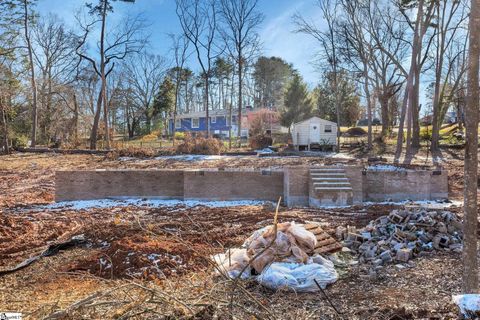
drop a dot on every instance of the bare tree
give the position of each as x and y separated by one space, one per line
180 55
470 261
198 19
241 18
328 41
358 48
26 28
8 87
450 16
144 73
56 60
389 52
122 41
411 99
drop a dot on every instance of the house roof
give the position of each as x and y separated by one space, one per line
317 118
202 114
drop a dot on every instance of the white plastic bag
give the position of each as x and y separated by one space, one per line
299 277
469 305
305 239
233 265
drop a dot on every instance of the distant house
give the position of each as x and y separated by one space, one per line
197 122
314 132
364 122
451 117
220 122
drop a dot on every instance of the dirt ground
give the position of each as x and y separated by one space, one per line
144 262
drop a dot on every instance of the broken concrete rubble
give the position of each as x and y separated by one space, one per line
402 235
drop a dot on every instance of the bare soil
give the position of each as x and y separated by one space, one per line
142 262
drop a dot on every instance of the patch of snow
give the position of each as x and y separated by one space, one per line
333 155
127 159
104 263
469 305
192 157
427 204
338 156
265 150
385 168
108 203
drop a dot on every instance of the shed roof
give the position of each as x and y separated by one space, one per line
317 118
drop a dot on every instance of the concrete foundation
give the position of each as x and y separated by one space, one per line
294 184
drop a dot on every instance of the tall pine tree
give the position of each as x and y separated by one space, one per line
297 103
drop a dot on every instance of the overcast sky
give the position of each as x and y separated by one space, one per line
275 32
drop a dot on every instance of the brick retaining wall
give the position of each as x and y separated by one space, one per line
243 184
233 185
100 184
405 185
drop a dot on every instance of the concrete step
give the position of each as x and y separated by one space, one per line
327 175
332 184
329 179
334 189
327 170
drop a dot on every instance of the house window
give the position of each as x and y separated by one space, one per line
178 123
195 123
328 128
213 119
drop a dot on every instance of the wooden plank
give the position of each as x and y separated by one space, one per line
325 242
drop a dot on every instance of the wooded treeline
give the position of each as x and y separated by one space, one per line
395 60
396 51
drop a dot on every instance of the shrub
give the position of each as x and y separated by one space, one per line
20 141
355 132
150 137
260 141
179 135
426 134
134 152
199 145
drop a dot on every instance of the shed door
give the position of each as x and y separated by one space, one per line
314 133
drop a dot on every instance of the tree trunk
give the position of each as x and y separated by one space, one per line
436 96
207 113
148 122
75 119
407 100
103 76
96 121
369 105
187 104
385 115
230 113
470 262
6 147
240 89
32 76
416 109
177 92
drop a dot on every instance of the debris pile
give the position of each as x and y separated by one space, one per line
402 235
282 255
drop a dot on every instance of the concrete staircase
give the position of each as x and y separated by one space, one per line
329 186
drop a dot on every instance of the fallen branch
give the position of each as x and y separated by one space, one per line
328 299
50 251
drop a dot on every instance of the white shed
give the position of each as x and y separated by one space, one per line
314 132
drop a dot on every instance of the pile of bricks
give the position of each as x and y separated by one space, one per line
402 235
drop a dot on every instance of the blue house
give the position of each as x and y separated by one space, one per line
197 122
